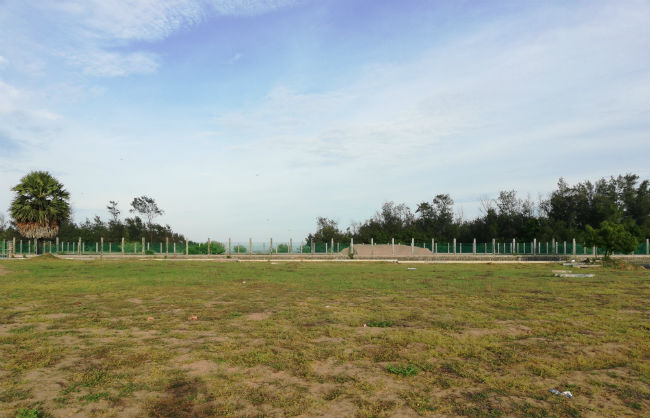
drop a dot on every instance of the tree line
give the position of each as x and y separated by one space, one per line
581 211
40 209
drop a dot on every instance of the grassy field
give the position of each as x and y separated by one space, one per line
191 338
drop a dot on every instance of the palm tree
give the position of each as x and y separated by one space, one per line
40 205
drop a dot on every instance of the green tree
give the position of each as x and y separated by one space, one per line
40 205
147 207
611 237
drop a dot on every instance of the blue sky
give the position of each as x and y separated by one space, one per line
247 118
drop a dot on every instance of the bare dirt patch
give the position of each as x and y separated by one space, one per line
201 367
258 316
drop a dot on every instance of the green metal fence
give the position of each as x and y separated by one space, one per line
229 247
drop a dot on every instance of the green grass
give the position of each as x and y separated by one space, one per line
118 338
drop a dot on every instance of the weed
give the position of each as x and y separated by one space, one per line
403 370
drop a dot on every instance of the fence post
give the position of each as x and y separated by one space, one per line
122 245
166 245
271 247
474 246
143 246
460 247
102 241
392 243
313 249
352 246
647 246
594 250
230 247
372 247
534 246
187 247
160 247
433 246
250 246
412 246
208 246
326 244
174 245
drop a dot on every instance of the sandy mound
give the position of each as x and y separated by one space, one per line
385 250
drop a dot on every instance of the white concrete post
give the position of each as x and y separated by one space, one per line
110 247
250 246
166 245
372 247
493 249
79 246
412 246
332 245
161 247
433 246
326 244
135 247
352 246
564 248
534 245
230 247
102 241
187 246
271 247
143 246
512 248
474 246
291 245
96 247
594 249
448 248
647 246
313 247
392 243
29 246
122 245
14 244
149 245
460 247
574 246
174 245
208 246
454 245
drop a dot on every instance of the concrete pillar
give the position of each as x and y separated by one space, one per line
135 247
448 248
474 246
110 248
534 245
167 245
454 245
149 245
594 251
102 241
647 246
392 243
574 246
460 247
372 247
79 246
143 246
291 245
493 249
512 248
187 246
326 248
412 246
29 246
208 246
433 246
313 248
352 246
250 246
174 245
271 247
332 245
230 247
122 245
160 247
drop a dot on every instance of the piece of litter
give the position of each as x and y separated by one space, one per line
244 282
410 268
327 306
572 275
150 318
193 318
364 325
566 393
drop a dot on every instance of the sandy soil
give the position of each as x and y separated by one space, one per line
386 250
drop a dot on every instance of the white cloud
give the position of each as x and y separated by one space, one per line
3 62
108 64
